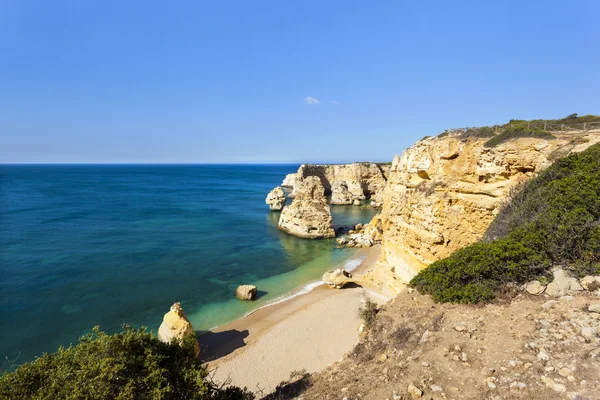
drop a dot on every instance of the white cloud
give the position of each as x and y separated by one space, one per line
335 102
312 101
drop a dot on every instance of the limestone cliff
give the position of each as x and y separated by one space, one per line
347 182
443 193
309 215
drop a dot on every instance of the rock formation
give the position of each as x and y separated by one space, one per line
443 193
289 181
246 292
355 181
276 199
343 192
309 215
175 325
337 279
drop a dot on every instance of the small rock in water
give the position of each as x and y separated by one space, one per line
246 292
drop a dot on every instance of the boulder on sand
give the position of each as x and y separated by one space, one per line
176 326
246 292
337 278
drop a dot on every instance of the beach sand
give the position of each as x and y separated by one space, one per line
310 332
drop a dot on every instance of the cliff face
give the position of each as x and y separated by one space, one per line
360 180
443 193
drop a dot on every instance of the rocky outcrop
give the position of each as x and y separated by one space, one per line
443 193
309 215
246 292
276 199
289 181
562 284
337 279
176 326
343 192
345 182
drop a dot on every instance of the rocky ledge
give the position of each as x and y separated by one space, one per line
309 215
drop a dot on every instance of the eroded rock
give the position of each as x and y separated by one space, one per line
562 284
309 215
337 278
176 326
276 199
246 292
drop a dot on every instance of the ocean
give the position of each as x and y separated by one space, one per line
86 245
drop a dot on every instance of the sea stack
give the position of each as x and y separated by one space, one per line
276 199
309 215
175 325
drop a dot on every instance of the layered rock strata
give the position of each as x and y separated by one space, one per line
443 193
309 215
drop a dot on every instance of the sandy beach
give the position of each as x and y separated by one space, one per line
310 332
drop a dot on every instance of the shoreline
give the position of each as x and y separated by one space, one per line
268 343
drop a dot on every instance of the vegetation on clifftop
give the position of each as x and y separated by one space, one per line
132 364
553 220
518 128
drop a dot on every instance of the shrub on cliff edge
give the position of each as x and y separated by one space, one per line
553 220
132 364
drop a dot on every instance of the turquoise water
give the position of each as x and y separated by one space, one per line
106 245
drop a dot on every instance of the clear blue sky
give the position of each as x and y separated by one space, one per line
281 81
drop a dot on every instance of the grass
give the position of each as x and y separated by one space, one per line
553 220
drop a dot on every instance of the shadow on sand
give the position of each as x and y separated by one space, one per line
214 345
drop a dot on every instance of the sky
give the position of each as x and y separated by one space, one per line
281 81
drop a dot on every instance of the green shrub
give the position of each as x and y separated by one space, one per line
481 132
554 219
132 364
369 313
516 131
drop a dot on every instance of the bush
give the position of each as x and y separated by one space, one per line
481 132
554 219
516 131
369 313
132 364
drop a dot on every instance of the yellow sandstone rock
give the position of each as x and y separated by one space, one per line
443 193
